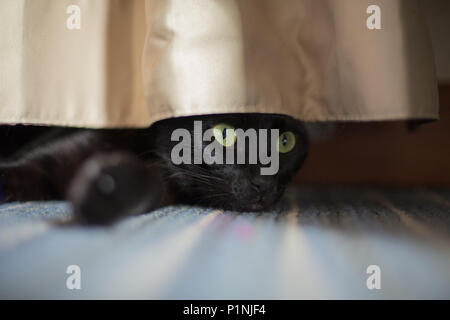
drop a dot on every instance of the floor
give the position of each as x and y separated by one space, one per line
318 243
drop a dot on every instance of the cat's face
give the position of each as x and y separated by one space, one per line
232 185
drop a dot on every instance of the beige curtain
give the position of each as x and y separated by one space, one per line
133 62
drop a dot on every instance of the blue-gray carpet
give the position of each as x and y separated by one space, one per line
317 243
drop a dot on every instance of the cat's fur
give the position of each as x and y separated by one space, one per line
107 174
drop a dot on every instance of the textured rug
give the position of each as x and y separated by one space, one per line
318 243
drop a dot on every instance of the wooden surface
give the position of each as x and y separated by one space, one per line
383 153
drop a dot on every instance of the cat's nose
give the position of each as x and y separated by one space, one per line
255 186
259 183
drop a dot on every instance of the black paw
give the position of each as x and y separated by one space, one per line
112 186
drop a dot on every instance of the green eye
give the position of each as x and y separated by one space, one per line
286 142
224 134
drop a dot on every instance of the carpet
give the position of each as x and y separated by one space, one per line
318 243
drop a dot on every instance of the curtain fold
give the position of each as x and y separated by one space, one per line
133 62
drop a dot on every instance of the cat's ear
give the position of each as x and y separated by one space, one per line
303 138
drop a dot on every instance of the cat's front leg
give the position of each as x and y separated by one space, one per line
25 181
109 186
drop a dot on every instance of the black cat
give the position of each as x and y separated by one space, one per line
108 174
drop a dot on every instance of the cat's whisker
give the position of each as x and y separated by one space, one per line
197 175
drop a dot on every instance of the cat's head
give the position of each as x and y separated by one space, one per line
231 185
